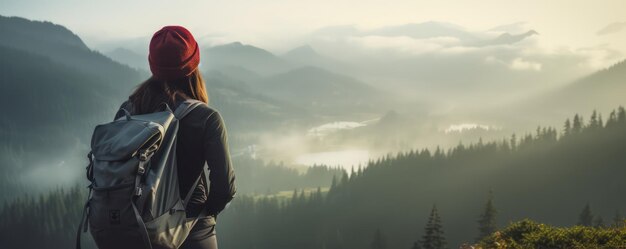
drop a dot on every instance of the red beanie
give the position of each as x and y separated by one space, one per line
174 53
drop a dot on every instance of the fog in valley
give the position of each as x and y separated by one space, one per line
307 107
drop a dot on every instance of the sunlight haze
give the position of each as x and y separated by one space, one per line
279 25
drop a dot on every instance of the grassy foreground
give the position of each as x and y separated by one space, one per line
530 234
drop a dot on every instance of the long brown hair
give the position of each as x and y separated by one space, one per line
152 92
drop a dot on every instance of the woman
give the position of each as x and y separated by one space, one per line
174 58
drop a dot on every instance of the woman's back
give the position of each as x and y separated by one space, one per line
202 139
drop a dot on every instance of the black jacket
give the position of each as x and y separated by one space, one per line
202 137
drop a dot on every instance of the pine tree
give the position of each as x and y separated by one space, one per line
621 115
567 128
487 220
600 121
612 117
586 217
352 173
344 178
577 124
433 232
294 197
318 194
302 197
513 142
333 184
593 120
379 241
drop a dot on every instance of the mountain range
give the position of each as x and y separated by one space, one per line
237 54
63 88
68 85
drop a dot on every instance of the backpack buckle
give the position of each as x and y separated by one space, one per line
143 156
141 169
138 191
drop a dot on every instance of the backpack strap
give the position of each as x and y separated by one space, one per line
82 227
183 108
203 212
204 174
125 110
133 198
186 107
193 187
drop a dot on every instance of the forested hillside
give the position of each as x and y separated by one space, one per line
256 177
548 176
53 217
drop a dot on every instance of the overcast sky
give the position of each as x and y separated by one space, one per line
273 24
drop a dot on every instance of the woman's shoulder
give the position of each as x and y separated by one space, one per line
205 112
206 118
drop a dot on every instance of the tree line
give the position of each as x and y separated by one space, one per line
542 175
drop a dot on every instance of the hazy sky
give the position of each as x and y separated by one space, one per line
568 24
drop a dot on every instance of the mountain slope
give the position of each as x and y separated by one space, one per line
57 90
601 90
129 58
64 47
314 87
307 56
50 111
607 86
244 108
237 54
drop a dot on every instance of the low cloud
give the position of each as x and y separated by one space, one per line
468 127
405 44
464 64
600 56
325 129
517 27
521 64
517 64
612 28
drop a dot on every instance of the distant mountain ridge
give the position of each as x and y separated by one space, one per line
129 58
16 30
319 88
306 55
603 90
607 88
237 54
57 90
61 45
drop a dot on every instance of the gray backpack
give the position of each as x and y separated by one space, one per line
134 199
